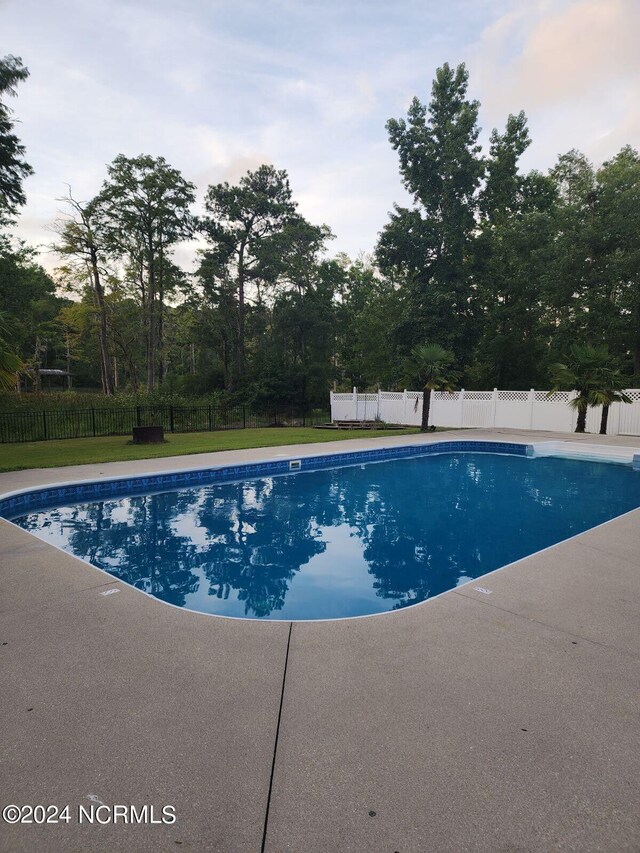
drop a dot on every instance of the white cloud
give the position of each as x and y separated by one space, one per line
574 67
584 48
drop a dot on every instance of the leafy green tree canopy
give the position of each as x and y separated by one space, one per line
143 210
438 147
13 167
241 224
429 246
240 217
147 201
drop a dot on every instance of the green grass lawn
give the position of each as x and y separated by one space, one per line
77 451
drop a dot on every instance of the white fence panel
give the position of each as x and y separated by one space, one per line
553 413
532 409
367 407
392 407
414 408
478 409
342 407
629 414
513 409
446 408
594 417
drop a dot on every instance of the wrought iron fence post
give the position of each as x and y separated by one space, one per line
170 418
210 421
138 418
93 421
44 423
244 416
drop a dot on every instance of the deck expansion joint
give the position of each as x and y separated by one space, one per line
275 744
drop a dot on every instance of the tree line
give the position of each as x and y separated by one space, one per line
506 271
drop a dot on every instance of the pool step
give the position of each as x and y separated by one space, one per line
587 452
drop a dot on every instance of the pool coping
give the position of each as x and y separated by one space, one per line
339 671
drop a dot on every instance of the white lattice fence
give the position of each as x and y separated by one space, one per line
510 409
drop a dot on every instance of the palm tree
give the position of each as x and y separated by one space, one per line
10 364
606 396
595 375
432 364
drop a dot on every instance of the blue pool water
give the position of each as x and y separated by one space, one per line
343 541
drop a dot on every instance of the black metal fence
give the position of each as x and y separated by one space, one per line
86 423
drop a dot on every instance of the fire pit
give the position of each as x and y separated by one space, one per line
148 435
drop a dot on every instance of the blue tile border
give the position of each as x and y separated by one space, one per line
51 496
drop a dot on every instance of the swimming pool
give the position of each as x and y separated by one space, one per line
333 540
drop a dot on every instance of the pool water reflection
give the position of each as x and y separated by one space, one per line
340 542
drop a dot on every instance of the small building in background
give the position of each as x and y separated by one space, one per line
50 384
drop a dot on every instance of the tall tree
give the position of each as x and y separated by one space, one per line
296 365
302 316
241 220
574 253
145 207
27 297
217 322
82 244
504 188
13 167
618 221
592 288
429 245
368 311
514 229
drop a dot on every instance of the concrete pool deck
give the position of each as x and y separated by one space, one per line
498 720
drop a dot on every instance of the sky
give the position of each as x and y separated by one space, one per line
220 87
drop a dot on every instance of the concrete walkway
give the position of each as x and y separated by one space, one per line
503 722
